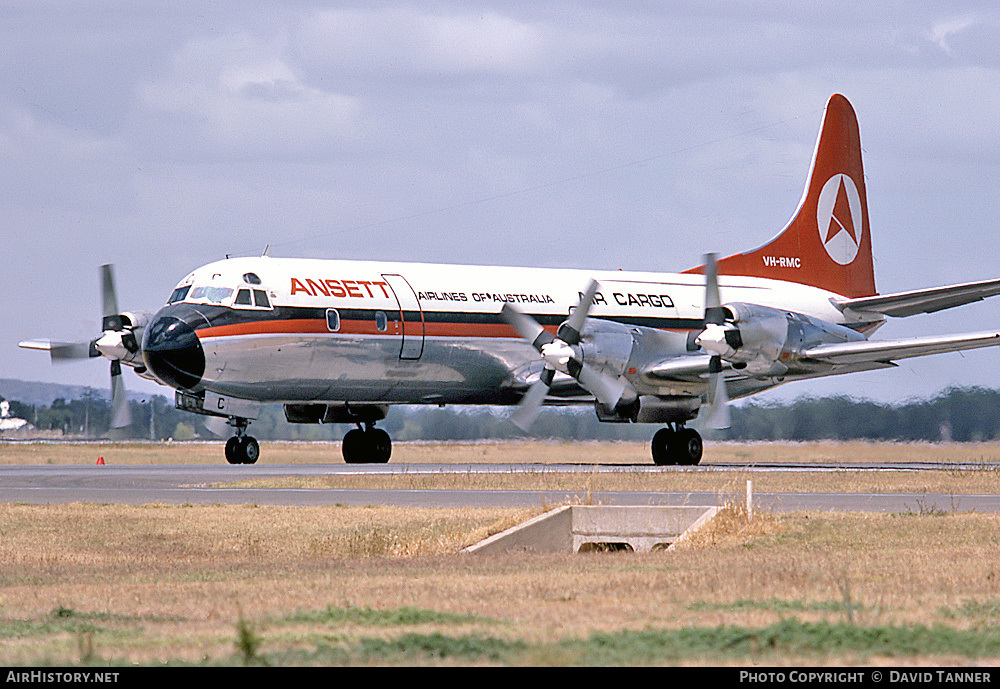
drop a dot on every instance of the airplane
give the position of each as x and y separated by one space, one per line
340 341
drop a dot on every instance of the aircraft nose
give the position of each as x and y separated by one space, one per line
173 352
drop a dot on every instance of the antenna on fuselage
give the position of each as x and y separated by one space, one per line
266 249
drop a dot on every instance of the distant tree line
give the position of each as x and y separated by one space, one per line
959 414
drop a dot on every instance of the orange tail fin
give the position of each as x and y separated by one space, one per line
827 243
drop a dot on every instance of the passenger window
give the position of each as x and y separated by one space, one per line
243 297
260 297
333 320
381 322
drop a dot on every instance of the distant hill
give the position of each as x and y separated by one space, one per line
32 392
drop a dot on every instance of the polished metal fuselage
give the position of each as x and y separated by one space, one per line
398 333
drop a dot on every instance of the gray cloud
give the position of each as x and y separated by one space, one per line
559 134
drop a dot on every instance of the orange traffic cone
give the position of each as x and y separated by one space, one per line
100 460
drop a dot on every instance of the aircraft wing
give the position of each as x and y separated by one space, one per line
882 352
923 300
890 350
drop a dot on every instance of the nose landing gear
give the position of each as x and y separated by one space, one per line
677 445
241 448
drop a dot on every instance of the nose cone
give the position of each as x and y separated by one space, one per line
172 351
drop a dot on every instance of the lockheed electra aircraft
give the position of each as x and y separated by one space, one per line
339 341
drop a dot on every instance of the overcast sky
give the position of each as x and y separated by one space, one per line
163 136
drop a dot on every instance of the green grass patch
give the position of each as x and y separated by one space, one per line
441 646
408 649
788 638
62 619
783 640
396 617
975 610
777 606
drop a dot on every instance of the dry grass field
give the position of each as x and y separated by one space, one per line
462 452
109 584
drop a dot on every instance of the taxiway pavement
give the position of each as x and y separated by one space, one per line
207 484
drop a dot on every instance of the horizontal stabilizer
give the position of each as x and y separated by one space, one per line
923 300
890 350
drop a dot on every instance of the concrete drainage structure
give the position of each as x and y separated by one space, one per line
598 528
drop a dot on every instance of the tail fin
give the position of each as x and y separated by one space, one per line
827 243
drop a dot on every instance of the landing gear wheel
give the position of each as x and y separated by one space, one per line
662 440
249 449
689 447
381 445
683 446
372 446
242 450
232 450
353 446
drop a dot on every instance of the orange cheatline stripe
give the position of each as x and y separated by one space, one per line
352 327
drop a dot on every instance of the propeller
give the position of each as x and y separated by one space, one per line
714 337
560 352
115 343
111 344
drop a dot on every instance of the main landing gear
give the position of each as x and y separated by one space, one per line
242 448
367 446
677 445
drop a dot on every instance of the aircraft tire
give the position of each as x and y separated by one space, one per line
249 450
689 447
232 450
380 445
373 446
663 442
242 450
354 447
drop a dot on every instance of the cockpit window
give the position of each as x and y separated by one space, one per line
179 294
251 278
213 295
260 297
242 297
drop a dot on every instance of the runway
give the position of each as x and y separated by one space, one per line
198 484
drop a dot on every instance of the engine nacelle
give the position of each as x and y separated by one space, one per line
122 335
766 341
651 409
606 345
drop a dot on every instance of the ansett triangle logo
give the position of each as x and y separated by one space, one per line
839 217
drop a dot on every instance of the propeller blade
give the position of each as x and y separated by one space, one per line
61 352
217 425
713 302
569 330
527 410
526 326
606 389
109 297
716 397
120 414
